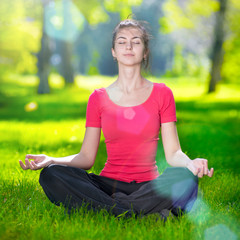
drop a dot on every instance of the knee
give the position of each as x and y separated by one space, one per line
181 180
182 173
48 174
186 177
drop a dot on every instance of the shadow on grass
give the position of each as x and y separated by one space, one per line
60 105
71 104
206 129
195 111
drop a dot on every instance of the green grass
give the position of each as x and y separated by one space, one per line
208 127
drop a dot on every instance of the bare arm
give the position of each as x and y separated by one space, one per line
174 155
84 159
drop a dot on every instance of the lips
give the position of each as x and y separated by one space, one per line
128 55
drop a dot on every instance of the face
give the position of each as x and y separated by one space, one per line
129 48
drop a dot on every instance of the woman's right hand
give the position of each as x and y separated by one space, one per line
38 162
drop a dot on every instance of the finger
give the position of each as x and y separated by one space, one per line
210 173
31 156
205 167
35 166
200 172
195 172
32 165
27 162
23 166
193 169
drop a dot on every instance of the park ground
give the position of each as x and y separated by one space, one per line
208 127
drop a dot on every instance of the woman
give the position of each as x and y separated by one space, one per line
130 113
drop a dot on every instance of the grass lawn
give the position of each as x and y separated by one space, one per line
208 127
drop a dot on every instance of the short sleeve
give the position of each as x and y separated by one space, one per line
168 107
93 116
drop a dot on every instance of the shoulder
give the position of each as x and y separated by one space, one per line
97 93
162 89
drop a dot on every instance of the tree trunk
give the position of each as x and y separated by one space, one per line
66 45
66 64
43 58
217 51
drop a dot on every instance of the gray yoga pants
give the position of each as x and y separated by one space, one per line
175 189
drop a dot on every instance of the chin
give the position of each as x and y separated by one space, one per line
130 63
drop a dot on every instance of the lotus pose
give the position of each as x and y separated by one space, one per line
131 113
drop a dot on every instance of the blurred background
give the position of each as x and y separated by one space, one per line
71 38
53 53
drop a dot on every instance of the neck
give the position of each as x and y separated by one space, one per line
130 79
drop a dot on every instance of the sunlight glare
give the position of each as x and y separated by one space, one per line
31 106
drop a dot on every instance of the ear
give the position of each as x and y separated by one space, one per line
145 54
113 52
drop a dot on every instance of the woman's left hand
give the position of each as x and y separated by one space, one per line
199 167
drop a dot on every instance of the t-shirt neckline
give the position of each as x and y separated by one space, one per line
148 98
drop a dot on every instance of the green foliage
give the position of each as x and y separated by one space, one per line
121 6
230 72
188 16
21 27
20 34
93 68
230 69
208 127
186 20
186 64
95 13
178 65
92 10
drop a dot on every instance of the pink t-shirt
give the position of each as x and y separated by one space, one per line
131 133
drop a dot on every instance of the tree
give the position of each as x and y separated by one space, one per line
231 62
57 25
217 53
93 11
44 56
202 20
190 24
19 36
26 27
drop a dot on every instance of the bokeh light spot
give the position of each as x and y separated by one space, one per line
129 113
63 21
55 59
31 106
219 232
125 120
200 212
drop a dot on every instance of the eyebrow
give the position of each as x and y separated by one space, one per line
131 38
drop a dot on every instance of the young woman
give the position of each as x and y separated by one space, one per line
130 112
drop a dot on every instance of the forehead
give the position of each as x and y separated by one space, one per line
129 32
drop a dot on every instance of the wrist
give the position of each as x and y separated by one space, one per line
51 160
188 162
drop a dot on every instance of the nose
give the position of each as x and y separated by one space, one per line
129 45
